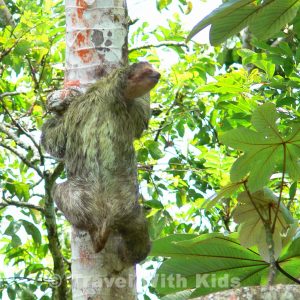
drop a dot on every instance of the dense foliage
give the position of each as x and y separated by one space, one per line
218 166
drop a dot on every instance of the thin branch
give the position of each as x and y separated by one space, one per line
24 131
57 171
164 44
37 183
9 280
33 74
8 94
44 60
161 125
5 203
7 51
23 158
14 137
38 195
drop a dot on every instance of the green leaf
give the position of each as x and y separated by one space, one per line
244 139
227 26
22 190
264 120
162 4
292 250
154 204
261 60
262 166
12 228
11 292
22 47
289 261
273 16
33 268
294 137
259 164
167 247
27 295
252 230
293 190
184 295
240 168
292 161
267 202
154 150
180 128
225 191
195 263
222 11
33 231
263 247
142 155
15 241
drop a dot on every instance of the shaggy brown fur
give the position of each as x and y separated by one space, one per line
94 137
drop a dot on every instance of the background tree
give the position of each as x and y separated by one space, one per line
182 158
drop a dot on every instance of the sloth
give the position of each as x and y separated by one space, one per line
94 138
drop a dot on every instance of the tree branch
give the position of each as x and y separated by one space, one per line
14 137
161 125
164 44
37 146
23 158
7 94
57 171
5 203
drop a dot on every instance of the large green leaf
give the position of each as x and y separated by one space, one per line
208 263
252 230
264 149
245 139
264 120
262 166
222 11
289 261
292 161
273 16
214 262
225 27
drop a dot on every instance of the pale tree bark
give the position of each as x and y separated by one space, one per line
5 15
96 43
272 292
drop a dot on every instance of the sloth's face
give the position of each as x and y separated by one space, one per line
141 80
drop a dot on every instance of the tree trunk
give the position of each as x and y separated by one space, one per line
273 292
96 43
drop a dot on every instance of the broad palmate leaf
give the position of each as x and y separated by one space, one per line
251 230
212 262
264 149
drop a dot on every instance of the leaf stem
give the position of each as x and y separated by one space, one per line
270 243
253 203
281 188
286 273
